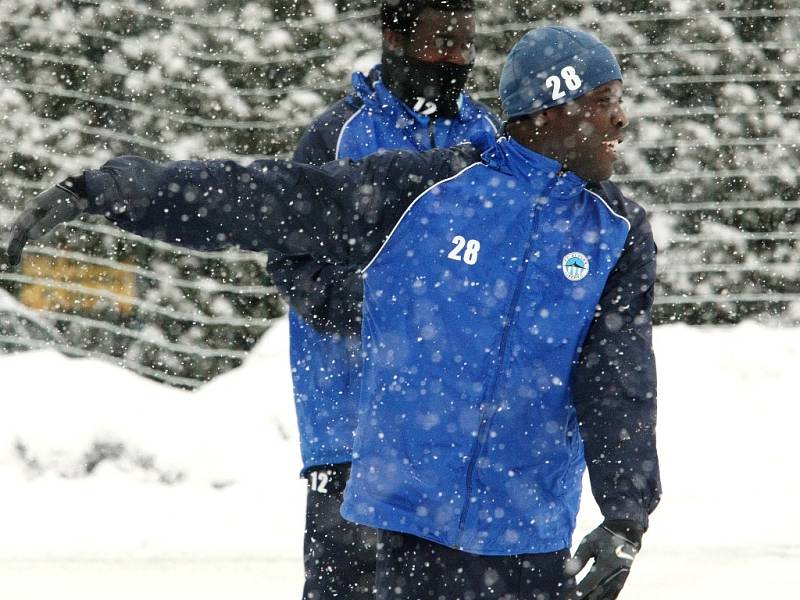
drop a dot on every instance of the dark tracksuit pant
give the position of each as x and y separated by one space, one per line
339 556
345 561
412 568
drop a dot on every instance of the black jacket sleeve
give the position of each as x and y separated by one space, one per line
339 213
327 295
614 382
318 144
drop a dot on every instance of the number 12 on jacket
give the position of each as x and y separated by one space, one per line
319 481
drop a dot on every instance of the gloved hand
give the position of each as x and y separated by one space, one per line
58 204
613 546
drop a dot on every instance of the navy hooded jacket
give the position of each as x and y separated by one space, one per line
506 325
326 358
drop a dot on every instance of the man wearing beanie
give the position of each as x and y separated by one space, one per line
507 294
414 100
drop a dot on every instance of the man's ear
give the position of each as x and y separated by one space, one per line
393 41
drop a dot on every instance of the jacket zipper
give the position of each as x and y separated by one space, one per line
485 414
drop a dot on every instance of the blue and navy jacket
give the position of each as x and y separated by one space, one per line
326 357
506 325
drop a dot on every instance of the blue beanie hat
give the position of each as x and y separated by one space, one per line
553 65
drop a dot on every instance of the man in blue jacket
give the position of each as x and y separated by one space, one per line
507 296
414 100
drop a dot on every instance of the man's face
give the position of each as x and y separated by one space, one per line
583 135
442 36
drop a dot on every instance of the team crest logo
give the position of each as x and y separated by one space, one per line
575 266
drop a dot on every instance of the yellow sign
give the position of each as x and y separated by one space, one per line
67 285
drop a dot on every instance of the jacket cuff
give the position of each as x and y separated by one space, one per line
75 185
630 530
97 187
622 509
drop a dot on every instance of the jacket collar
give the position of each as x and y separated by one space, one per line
374 93
510 156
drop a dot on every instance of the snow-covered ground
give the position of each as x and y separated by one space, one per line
229 523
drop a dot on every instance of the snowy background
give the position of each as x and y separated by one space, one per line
115 485
196 495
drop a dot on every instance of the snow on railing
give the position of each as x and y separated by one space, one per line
258 120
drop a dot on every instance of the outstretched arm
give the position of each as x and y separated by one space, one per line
267 205
338 213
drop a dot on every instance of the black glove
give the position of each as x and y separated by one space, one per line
613 546
58 204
